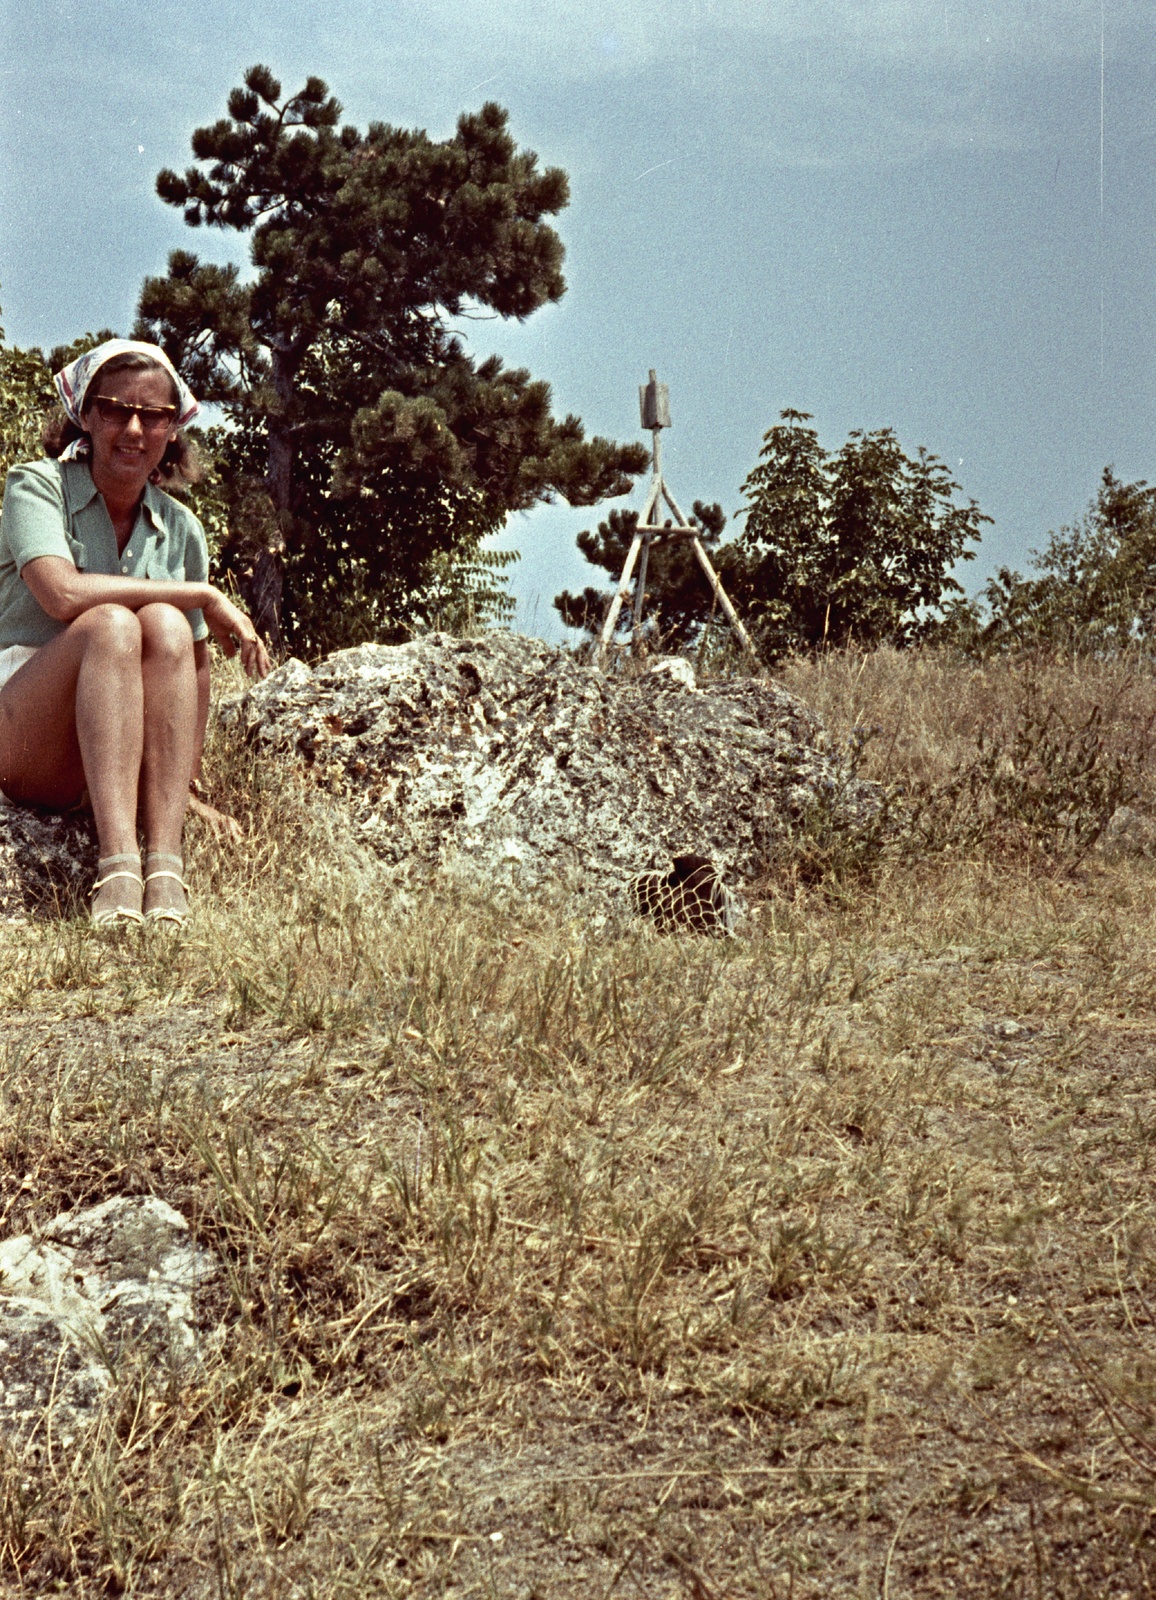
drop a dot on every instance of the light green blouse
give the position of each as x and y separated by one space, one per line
52 508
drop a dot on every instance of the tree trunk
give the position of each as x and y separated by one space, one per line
265 581
262 588
280 477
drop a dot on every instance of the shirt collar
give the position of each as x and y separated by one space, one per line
80 491
152 504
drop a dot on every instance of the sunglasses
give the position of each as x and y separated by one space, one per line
152 418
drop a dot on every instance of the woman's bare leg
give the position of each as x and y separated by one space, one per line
169 678
111 704
73 717
168 672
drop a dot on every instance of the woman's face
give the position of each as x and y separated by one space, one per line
126 450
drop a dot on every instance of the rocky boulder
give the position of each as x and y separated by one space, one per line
118 1278
507 761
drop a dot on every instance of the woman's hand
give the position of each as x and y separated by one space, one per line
233 631
224 828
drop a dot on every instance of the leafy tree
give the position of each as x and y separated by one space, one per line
677 596
26 399
1095 588
368 447
853 546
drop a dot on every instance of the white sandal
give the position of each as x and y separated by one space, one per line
175 914
103 916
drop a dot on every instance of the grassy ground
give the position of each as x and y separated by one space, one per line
816 1263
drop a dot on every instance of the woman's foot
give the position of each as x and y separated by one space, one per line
116 894
164 888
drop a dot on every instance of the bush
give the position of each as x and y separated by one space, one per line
1095 589
1047 785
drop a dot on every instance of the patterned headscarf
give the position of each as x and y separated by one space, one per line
73 382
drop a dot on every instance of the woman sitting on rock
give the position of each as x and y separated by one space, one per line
105 613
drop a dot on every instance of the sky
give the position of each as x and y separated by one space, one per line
930 215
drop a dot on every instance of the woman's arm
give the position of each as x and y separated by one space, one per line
64 593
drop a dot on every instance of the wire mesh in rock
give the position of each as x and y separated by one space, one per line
691 896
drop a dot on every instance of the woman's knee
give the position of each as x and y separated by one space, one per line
112 629
165 631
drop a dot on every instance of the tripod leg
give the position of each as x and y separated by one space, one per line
720 594
620 594
640 594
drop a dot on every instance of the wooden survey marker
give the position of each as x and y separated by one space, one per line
654 406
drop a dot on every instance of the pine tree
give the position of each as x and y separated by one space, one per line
678 601
368 448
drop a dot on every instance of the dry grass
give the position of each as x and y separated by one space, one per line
815 1264
926 709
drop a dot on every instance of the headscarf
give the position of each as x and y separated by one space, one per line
73 381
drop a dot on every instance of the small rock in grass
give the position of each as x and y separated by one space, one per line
93 1284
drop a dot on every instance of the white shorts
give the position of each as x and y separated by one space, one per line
13 657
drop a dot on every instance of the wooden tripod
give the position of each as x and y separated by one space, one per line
654 403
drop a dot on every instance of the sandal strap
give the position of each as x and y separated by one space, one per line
149 876
167 914
108 878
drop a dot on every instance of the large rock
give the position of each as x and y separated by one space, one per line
507 760
47 861
117 1278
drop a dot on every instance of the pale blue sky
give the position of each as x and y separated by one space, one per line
882 213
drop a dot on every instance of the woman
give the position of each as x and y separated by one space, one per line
105 613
